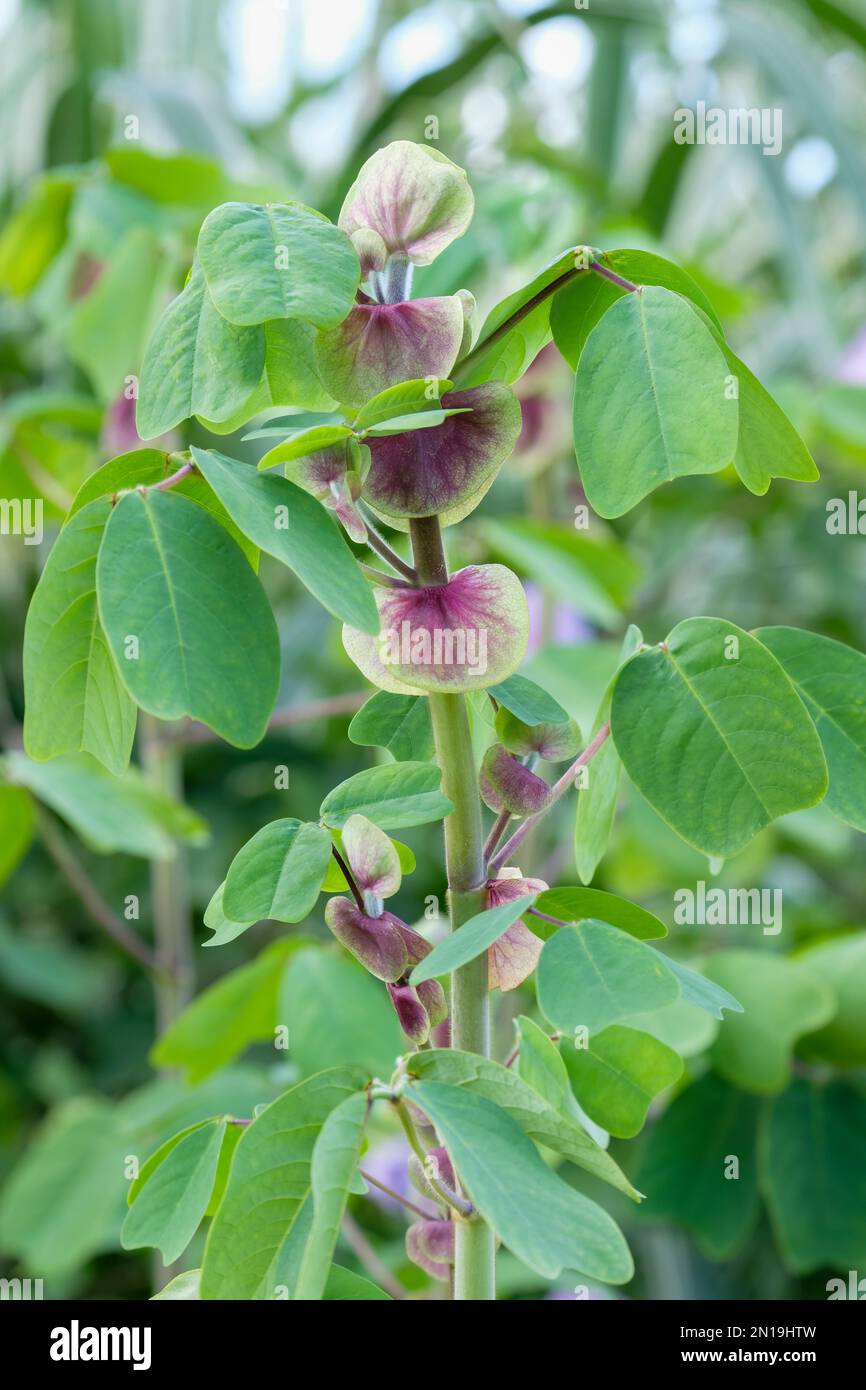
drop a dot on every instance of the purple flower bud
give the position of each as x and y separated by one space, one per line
463 635
373 860
413 197
411 1012
374 941
335 477
432 996
441 1034
437 1165
430 1245
381 345
507 785
553 742
512 958
416 946
433 472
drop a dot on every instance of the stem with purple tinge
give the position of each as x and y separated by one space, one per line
557 790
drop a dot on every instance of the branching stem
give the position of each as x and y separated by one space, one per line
557 790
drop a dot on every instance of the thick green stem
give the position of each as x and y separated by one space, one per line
474 1269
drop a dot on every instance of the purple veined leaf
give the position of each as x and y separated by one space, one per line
507 784
419 1009
381 345
335 477
372 858
374 941
512 958
463 635
430 1245
413 198
429 472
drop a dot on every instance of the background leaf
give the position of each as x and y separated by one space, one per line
394 796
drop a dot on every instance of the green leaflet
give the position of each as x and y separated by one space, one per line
183 1288
812 1159
830 678
523 698
289 378
241 1008
713 734
578 307
289 524
591 975
278 873
572 904
299 443
277 260
394 796
527 1105
224 928
152 1162
781 1001
188 622
399 723
685 1166
650 402
268 1188
544 1222
196 363
168 1210
596 802
418 397
617 1075
768 446
74 698
540 1065
344 1286
475 935
143 468
336 1155
701 992
109 813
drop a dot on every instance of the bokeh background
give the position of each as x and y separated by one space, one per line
122 123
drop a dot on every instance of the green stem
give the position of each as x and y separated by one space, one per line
474 1268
